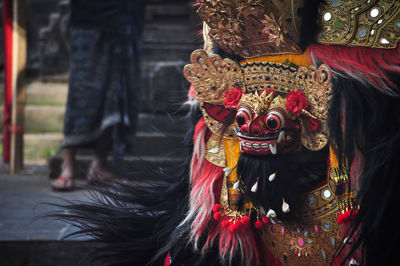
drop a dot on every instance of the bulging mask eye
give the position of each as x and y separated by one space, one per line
243 115
275 119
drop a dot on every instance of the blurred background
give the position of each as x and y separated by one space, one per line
171 33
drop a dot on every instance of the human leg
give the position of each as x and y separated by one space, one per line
98 169
65 180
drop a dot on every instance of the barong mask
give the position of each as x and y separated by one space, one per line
271 108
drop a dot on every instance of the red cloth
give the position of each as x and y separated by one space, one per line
8 46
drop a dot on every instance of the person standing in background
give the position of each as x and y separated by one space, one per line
104 83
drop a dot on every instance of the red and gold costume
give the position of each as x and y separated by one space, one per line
280 95
294 154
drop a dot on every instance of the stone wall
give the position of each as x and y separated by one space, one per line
39 14
170 35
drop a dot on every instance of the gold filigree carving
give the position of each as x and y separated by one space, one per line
211 76
320 203
257 102
318 90
253 28
272 76
372 23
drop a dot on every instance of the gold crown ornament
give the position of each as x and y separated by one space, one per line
252 28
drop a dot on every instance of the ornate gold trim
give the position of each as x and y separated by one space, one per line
211 76
312 243
252 28
372 23
215 153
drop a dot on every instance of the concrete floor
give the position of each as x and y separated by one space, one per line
23 198
26 240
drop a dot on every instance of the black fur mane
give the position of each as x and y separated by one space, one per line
372 127
296 175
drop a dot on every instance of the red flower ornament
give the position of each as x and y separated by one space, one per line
245 220
232 97
217 216
225 223
259 224
216 207
234 226
295 102
265 220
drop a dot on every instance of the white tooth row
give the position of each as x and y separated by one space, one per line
271 146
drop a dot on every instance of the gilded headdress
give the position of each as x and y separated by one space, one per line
252 28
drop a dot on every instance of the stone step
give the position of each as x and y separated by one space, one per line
173 32
50 119
154 10
42 119
27 240
43 93
131 167
46 93
166 88
39 147
40 253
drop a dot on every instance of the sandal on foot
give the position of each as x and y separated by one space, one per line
62 184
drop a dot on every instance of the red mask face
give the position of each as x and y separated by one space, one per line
271 131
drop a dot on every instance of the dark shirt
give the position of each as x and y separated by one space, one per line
109 14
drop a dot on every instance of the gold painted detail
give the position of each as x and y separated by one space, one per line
232 154
312 243
211 76
272 76
215 152
257 103
372 23
344 194
344 191
320 202
253 28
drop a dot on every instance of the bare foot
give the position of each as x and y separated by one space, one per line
98 172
